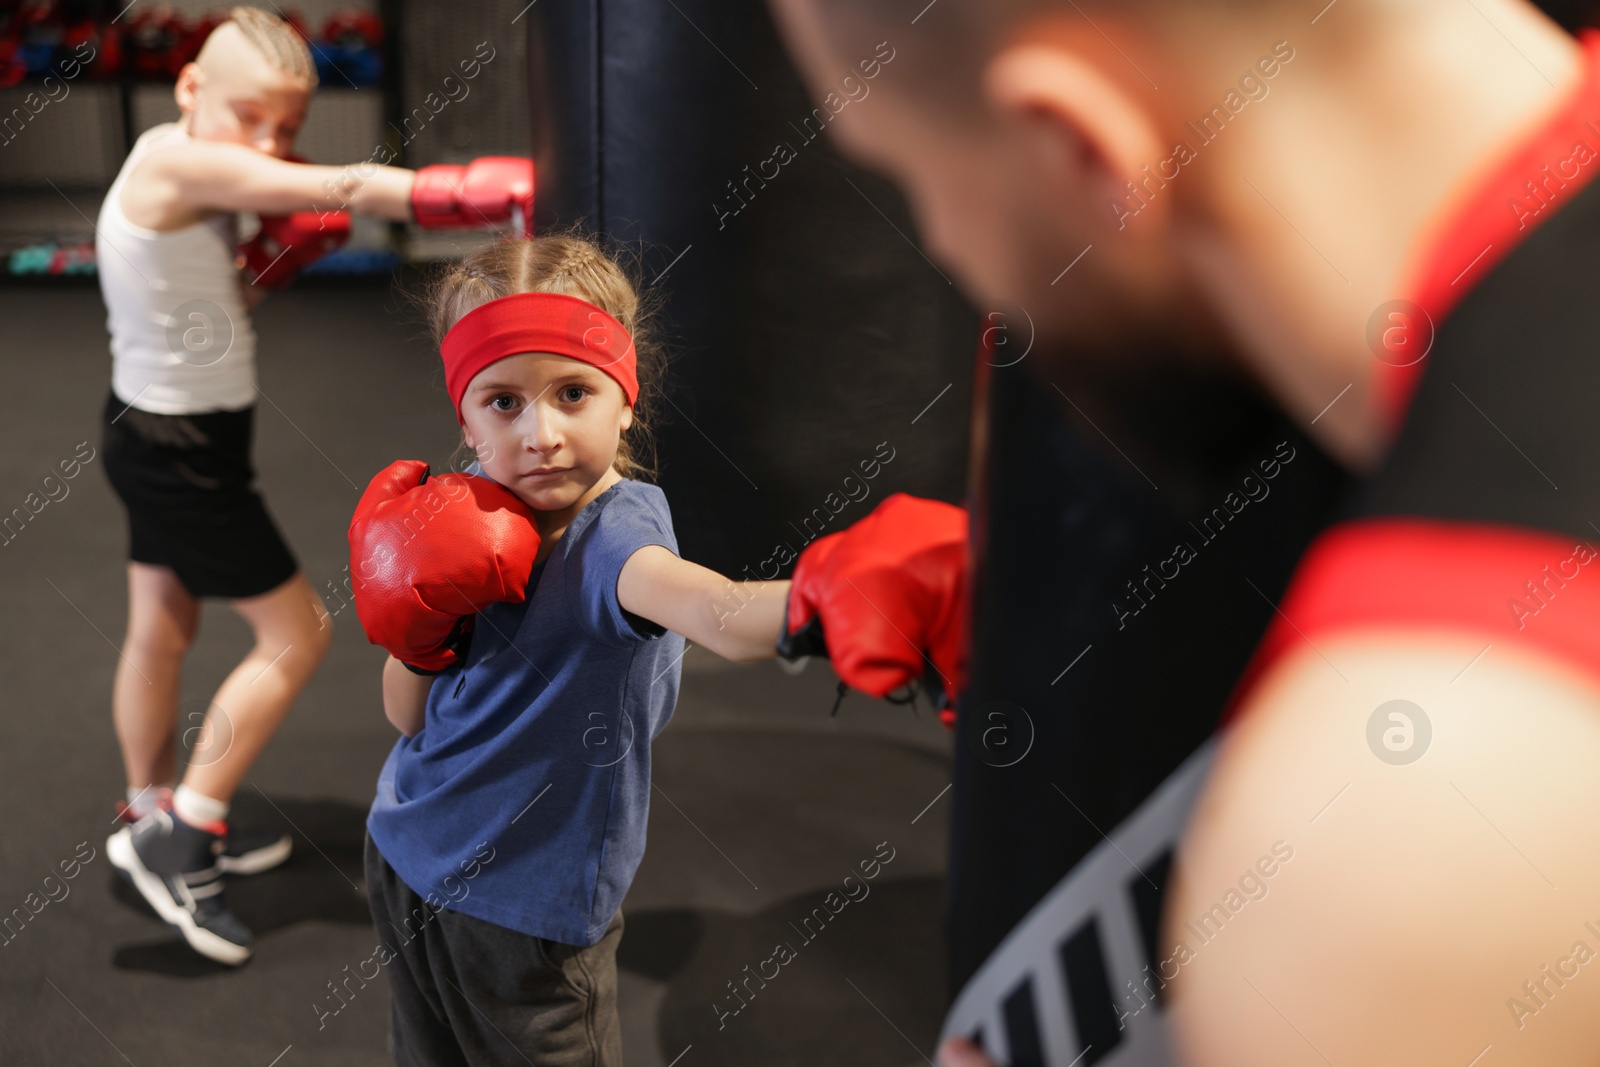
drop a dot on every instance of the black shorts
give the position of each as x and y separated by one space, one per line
187 484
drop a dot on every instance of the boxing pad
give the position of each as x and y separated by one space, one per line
485 192
288 244
886 599
429 553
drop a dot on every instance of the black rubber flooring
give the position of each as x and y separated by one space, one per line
771 801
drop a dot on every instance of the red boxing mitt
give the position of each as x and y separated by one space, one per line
429 553
889 595
288 244
484 192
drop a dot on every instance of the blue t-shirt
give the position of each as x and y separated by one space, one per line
523 799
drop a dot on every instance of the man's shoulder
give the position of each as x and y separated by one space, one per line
1501 429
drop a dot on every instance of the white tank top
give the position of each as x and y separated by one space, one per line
181 339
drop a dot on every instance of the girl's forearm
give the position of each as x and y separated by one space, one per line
405 697
749 620
740 621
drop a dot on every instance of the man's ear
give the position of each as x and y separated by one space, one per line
189 80
1092 133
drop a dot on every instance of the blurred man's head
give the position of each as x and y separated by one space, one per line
250 84
1254 169
1015 125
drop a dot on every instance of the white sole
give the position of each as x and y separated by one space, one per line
120 850
262 859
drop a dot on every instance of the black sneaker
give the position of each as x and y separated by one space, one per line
252 851
174 867
243 852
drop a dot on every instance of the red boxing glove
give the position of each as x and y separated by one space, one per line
890 595
288 244
485 192
429 553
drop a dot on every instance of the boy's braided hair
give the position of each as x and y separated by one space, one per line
276 39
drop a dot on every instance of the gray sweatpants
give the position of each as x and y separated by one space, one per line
470 993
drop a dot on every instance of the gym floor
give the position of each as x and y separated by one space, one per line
762 802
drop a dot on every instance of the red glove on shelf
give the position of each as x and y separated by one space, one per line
429 553
448 196
888 595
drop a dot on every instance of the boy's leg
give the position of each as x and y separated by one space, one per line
293 634
162 621
175 858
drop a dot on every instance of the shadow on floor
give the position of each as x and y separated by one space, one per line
864 986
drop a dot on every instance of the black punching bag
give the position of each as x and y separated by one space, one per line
1103 654
809 336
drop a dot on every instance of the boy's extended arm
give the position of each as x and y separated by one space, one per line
214 175
405 696
740 621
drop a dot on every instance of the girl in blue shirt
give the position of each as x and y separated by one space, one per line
510 817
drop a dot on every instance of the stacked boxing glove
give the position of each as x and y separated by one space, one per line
429 553
484 192
887 598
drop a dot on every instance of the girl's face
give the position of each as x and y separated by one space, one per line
546 427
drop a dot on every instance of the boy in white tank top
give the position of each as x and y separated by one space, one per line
178 424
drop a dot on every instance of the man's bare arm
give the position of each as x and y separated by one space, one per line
1431 901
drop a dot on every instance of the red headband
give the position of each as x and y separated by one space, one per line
537 322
